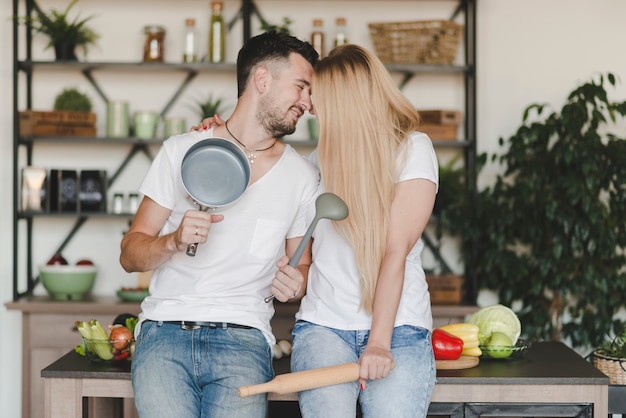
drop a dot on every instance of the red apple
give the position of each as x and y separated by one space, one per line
57 259
84 262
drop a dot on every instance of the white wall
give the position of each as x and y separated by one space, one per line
530 51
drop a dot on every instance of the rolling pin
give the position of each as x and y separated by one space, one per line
304 380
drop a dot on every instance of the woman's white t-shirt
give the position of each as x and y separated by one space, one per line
231 273
333 297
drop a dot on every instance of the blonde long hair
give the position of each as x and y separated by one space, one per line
364 119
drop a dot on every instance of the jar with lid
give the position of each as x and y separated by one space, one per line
190 42
154 46
317 37
340 32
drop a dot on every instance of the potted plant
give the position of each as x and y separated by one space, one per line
610 358
72 99
64 35
281 28
210 106
549 235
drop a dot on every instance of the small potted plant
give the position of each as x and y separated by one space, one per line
210 106
64 35
284 28
610 358
73 100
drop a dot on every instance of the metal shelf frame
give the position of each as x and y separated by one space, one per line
247 11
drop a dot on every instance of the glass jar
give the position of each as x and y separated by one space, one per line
154 47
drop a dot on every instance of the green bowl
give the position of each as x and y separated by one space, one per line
67 282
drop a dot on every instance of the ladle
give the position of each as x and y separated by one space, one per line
327 206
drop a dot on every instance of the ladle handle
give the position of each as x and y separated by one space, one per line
297 255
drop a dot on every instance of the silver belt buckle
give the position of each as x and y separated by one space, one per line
188 327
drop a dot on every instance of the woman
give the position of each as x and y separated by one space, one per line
367 299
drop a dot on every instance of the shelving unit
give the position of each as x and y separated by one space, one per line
90 70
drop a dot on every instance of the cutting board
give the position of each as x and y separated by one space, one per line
463 362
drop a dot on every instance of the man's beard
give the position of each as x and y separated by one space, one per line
273 120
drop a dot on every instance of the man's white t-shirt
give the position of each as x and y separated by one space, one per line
231 273
333 296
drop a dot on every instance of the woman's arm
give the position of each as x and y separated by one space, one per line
410 212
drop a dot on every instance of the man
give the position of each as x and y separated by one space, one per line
205 328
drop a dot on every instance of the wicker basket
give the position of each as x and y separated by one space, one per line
420 42
613 367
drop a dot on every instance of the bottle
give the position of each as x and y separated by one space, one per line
340 32
217 45
190 50
317 37
154 47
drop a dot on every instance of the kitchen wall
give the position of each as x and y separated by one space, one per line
530 51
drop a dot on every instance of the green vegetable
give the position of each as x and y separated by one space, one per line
496 318
100 340
498 346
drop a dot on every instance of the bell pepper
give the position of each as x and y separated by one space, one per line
446 346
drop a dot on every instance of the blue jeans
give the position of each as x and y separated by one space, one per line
404 393
196 373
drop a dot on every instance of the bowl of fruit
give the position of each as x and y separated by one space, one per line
65 281
99 345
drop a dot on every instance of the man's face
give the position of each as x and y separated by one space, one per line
288 97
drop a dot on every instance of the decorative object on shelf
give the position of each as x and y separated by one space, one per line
72 116
65 36
282 28
550 231
610 358
217 34
174 126
72 99
341 37
118 119
445 289
63 190
145 124
92 191
313 128
417 42
34 189
210 106
68 282
318 39
190 41
154 45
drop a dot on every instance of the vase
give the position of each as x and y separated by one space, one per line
65 51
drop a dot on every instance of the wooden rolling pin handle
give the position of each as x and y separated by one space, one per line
304 380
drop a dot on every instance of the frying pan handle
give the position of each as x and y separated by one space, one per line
191 249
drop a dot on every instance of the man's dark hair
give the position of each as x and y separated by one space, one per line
270 45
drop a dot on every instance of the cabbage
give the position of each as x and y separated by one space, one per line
496 318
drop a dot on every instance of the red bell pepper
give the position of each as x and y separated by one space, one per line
446 346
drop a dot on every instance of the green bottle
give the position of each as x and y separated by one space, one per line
217 44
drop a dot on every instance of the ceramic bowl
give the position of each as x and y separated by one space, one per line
68 282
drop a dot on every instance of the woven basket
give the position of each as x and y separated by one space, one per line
420 42
613 367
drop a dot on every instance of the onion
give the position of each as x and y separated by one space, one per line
120 336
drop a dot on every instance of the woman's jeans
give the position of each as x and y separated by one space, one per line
180 373
404 393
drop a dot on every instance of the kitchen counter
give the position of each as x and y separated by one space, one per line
550 380
48 332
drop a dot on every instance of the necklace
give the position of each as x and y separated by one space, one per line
251 151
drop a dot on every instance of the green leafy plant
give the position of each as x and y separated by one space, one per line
281 28
615 347
64 35
210 106
72 99
549 236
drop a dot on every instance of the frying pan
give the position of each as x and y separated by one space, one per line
215 173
